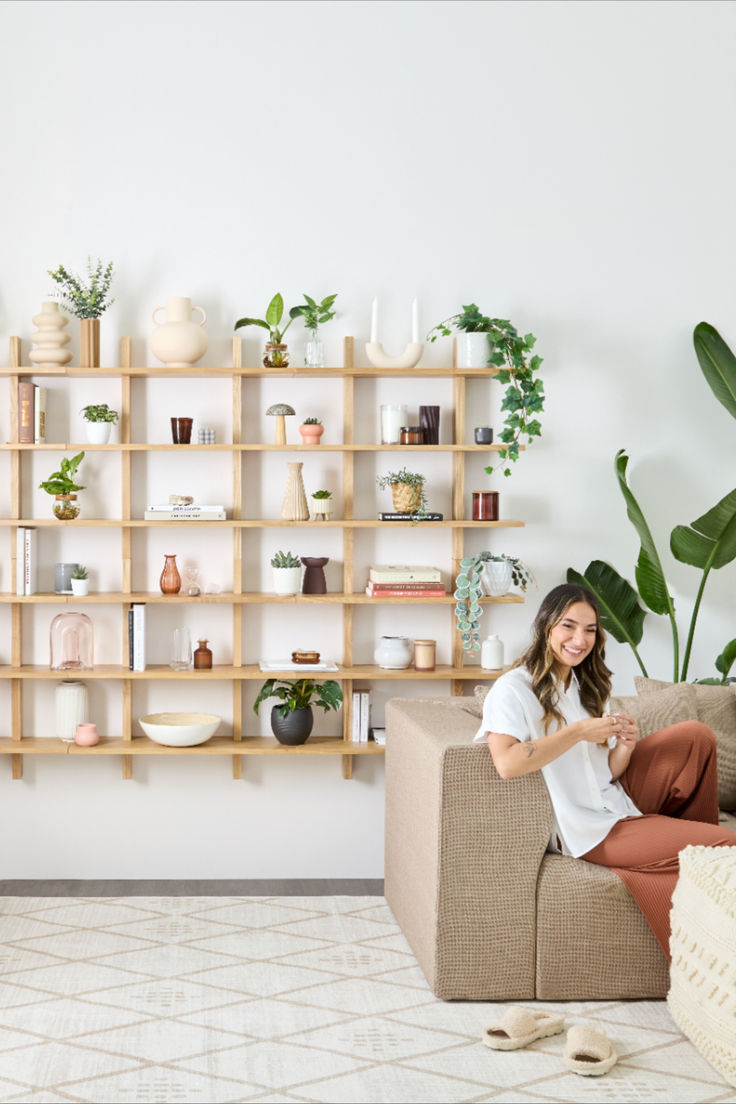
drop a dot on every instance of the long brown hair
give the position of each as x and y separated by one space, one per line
593 676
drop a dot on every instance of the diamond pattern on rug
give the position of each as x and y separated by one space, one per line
311 999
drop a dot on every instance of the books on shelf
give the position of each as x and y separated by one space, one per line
31 413
137 637
26 563
410 517
404 573
406 591
361 716
194 512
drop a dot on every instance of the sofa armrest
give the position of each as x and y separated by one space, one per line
463 851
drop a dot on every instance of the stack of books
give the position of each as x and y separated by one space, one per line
361 716
26 573
193 512
404 581
391 516
137 637
31 414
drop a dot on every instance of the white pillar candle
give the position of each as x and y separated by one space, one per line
392 419
415 321
374 321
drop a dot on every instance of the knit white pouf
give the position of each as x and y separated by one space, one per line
702 995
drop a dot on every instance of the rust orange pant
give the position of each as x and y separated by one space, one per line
671 778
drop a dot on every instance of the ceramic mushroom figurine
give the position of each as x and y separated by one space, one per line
279 411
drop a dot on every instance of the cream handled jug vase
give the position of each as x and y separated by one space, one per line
179 341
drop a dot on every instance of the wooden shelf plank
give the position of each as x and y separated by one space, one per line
255 371
265 523
226 598
218 745
246 672
76 446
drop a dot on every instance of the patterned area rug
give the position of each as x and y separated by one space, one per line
173 999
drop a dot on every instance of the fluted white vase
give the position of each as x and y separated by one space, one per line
72 708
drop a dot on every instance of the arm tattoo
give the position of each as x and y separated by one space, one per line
531 748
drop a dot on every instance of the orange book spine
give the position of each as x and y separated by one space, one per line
25 414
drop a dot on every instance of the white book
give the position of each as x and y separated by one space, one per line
193 508
404 573
365 710
20 560
356 717
39 414
30 562
139 636
171 515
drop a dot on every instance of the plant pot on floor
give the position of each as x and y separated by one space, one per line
294 728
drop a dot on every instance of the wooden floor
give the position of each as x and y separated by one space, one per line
251 887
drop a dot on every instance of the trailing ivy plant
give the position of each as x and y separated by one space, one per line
469 591
84 301
510 353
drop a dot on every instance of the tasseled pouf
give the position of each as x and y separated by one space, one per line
702 995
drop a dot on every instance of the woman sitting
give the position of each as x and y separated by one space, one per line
631 806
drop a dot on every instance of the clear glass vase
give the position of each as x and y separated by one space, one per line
314 356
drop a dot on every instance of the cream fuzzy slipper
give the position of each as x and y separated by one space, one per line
521 1026
588 1051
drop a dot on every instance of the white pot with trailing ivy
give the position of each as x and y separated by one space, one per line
98 422
287 573
511 354
471 586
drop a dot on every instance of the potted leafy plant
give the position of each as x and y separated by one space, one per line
311 430
287 573
80 581
315 315
407 489
61 484
504 348
276 354
86 301
99 420
475 579
292 721
321 505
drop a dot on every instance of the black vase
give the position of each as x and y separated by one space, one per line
314 577
429 419
294 728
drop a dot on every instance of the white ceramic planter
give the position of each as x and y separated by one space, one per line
287 580
473 350
98 433
321 509
80 587
394 653
496 578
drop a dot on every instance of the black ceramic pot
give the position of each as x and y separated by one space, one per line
294 728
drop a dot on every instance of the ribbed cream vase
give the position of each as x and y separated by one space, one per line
72 708
49 339
294 506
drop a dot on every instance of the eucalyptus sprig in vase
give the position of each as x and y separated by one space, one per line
86 301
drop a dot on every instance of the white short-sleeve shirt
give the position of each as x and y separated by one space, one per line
585 801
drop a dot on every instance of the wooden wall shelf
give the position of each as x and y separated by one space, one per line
458 673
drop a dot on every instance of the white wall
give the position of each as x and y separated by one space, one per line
567 165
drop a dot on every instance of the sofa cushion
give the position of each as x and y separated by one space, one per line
666 706
716 707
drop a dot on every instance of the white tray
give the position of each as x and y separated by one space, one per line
287 665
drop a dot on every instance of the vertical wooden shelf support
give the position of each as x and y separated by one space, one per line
126 548
458 507
348 546
237 433
16 619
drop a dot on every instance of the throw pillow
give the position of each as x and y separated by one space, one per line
660 708
716 707
474 705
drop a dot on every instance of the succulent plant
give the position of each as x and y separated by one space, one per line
285 559
322 494
312 421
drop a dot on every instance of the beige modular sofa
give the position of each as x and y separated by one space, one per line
489 914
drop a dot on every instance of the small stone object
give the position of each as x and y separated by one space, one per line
181 500
206 436
280 411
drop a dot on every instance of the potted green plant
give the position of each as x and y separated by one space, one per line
86 301
504 348
315 315
311 430
276 354
287 573
62 485
321 505
292 720
407 489
80 581
99 420
489 573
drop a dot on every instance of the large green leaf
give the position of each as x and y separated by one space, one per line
621 614
710 542
649 573
718 364
275 310
726 659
